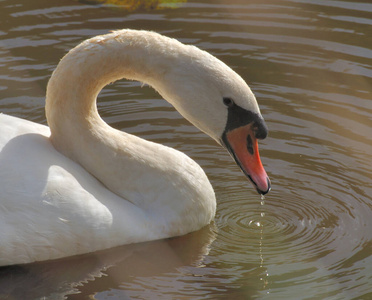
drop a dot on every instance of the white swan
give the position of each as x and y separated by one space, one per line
82 186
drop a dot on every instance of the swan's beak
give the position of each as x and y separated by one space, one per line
242 144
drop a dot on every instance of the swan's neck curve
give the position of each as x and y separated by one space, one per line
118 159
86 69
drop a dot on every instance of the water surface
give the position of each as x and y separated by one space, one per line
309 64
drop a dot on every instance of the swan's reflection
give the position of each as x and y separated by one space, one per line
104 270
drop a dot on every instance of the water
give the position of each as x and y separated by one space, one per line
309 64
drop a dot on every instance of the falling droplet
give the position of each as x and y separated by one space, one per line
262 200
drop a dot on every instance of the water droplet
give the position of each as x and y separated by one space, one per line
262 200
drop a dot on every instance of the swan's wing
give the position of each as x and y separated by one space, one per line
50 206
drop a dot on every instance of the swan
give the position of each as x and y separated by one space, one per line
80 186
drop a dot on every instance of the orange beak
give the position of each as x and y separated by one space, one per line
242 144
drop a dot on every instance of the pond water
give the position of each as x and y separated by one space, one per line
309 64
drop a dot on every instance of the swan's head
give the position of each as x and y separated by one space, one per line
218 101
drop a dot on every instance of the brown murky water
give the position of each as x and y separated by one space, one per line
309 64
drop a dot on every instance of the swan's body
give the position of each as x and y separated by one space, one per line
86 186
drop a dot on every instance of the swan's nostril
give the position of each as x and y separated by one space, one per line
250 145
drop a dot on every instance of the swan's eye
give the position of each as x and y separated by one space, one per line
228 101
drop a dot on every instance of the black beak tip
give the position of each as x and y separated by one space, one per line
268 188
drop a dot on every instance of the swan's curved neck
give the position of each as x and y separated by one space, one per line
76 128
149 175
86 69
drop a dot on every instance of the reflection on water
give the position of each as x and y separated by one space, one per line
122 265
309 64
132 5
